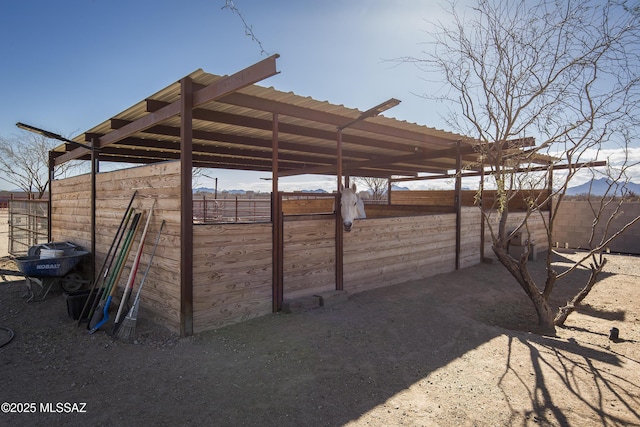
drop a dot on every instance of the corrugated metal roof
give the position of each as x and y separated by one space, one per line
235 131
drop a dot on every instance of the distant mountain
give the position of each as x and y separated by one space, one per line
204 190
211 190
598 187
318 190
398 188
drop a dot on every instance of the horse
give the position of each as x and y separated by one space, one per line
352 207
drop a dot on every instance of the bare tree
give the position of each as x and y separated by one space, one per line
376 186
565 72
248 29
24 162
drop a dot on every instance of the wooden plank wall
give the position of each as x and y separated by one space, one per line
470 238
71 221
233 262
419 197
308 206
387 211
309 256
445 198
232 268
535 223
387 251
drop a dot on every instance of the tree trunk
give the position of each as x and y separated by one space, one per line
570 307
545 315
519 271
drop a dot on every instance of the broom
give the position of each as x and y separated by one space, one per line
127 328
132 276
108 259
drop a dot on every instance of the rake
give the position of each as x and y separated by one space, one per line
127 328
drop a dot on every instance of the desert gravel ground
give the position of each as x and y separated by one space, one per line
450 350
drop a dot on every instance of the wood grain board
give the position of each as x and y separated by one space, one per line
414 238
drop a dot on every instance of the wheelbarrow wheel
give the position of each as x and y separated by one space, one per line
72 282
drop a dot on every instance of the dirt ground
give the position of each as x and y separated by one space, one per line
450 350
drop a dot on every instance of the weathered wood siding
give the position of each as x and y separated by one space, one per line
232 273
445 198
71 221
232 277
309 256
536 226
387 251
308 206
387 211
471 231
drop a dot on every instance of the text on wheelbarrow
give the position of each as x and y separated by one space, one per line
47 266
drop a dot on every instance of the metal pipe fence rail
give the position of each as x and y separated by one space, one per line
237 209
211 211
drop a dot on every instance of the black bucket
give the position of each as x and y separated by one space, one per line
613 334
77 300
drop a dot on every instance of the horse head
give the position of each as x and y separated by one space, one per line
352 207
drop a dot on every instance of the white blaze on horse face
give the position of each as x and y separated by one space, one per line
352 207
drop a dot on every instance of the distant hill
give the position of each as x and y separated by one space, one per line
398 188
240 192
204 190
598 187
318 190
211 190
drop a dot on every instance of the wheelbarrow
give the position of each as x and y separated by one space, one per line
49 264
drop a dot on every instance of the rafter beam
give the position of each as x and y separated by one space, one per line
249 101
516 170
224 86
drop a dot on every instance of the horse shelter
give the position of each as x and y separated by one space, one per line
208 275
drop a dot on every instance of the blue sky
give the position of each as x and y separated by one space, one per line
68 65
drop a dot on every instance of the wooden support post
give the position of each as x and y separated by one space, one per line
278 252
49 209
551 206
94 172
458 203
339 159
339 235
550 192
186 207
482 225
339 238
277 285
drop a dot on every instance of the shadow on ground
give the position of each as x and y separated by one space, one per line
331 366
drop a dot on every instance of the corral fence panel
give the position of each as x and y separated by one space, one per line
28 225
229 210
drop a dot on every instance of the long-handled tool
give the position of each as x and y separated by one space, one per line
101 314
98 303
101 290
134 271
108 259
127 328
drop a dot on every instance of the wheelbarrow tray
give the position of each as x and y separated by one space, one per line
34 266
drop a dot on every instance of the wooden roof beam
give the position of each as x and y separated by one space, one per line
388 161
171 150
283 128
249 101
244 141
516 170
224 86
